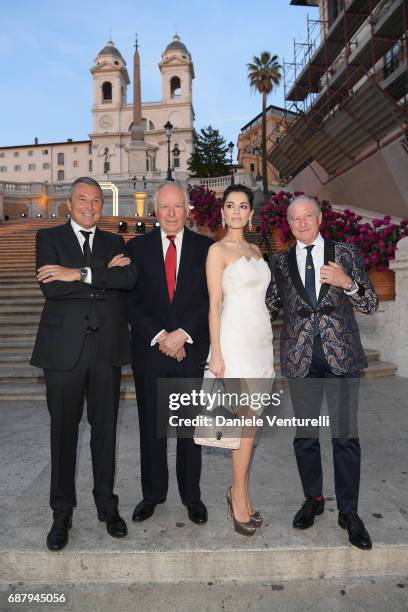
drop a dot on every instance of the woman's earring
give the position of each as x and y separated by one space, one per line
223 222
250 223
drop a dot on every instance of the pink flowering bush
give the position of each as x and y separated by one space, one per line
207 207
376 241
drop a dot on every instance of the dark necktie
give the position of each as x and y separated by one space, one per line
86 248
310 285
170 263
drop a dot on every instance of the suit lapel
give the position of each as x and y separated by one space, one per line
329 255
72 246
100 246
295 276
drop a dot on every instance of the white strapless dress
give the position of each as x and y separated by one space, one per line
246 333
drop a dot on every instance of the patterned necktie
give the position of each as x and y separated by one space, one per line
170 267
310 285
86 248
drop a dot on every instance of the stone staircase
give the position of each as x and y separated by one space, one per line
21 303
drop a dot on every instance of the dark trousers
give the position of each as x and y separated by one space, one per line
92 377
342 401
153 419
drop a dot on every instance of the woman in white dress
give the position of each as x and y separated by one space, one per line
240 333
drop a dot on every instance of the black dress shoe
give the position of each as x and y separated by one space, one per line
304 518
145 509
358 534
115 525
197 512
57 537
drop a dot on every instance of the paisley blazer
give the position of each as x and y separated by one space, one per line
334 311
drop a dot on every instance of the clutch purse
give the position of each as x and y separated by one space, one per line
213 432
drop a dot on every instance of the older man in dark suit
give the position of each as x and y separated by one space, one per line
168 314
319 284
82 342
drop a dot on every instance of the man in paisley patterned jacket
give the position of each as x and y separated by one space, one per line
319 284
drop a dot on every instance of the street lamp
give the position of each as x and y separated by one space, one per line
257 152
231 150
168 129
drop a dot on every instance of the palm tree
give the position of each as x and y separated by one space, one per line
264 73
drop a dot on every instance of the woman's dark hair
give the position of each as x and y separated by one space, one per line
239 189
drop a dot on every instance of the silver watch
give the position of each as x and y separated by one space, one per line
353 286
83 273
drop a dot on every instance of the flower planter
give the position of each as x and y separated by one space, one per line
216 234
279 245
384 283
205 231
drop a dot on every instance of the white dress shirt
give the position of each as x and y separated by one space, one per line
81 239
178 241
318 262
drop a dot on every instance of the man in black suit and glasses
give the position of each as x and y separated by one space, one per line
168 314
82 342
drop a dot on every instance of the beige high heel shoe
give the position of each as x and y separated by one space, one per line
244 528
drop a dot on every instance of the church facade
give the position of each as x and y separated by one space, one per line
127 139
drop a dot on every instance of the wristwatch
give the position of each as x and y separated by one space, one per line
353 286
83 273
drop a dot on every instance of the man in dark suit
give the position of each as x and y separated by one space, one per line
319 284
82 342
168 314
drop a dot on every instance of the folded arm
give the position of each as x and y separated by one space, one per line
59 282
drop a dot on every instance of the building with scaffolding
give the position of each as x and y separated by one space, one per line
348 84
250 143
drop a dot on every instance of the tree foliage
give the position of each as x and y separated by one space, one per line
209 157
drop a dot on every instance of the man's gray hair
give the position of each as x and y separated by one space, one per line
303 198
88 181
185 194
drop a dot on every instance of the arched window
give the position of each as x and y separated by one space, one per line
60 159
175 86
61 175
107 92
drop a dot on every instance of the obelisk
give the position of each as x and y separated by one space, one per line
137 147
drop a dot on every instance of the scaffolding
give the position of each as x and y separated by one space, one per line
347 105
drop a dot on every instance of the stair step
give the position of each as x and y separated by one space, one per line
16 299
29 287
379 369
16 373
372 355
27 331
36 392
18 310
7 319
